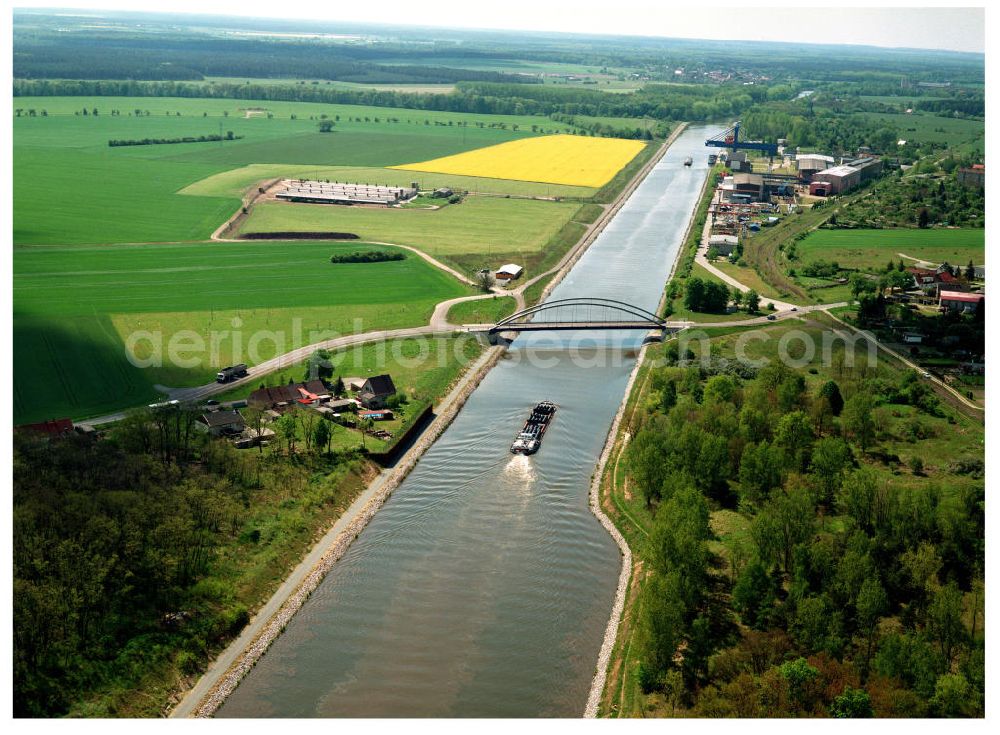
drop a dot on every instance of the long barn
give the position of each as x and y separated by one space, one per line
324 192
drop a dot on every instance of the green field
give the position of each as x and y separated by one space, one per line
927 128
481 225
75 307
872 249
72 188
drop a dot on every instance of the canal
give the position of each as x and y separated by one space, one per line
483 587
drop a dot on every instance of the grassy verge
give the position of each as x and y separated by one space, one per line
482 311
607 193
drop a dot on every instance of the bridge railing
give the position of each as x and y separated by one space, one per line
636 313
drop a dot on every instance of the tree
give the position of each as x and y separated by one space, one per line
339 387
944 620
288 428
831 391
668 396
367 424
753 595
951 693
719 389
782 524
923 218
485 280
760 472
256 420
857 419
970 272
831 458
752 302
794 436
852 703
325 126
871 605
322 435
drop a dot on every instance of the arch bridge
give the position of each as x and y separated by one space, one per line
581 313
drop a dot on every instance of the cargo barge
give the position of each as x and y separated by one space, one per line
529 440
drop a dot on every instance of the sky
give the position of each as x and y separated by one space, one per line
952 28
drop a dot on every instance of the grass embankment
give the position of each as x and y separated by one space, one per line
75 309
481 311
607 193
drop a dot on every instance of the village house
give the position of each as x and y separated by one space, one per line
309 393
932 280
376 391
222 423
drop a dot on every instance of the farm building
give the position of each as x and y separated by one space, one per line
52 428
309 393
321 192
376 391
723 244
509 272
442 193
811 163
840 178
974 176
959 301
222 423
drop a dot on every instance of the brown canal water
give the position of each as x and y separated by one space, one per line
483 587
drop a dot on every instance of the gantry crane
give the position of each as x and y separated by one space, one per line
731 139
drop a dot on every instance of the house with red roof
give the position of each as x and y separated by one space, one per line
960 301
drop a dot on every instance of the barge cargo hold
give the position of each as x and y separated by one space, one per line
529 440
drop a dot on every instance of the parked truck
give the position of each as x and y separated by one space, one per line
233 372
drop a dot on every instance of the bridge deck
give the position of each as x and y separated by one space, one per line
547 326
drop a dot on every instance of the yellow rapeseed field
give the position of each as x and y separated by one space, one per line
550 159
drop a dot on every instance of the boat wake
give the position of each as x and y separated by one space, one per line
520 469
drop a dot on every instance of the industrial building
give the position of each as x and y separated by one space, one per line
869 166
323 192
812 163
840 178
724 245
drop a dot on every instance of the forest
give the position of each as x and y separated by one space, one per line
849 592
138 555
661 102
